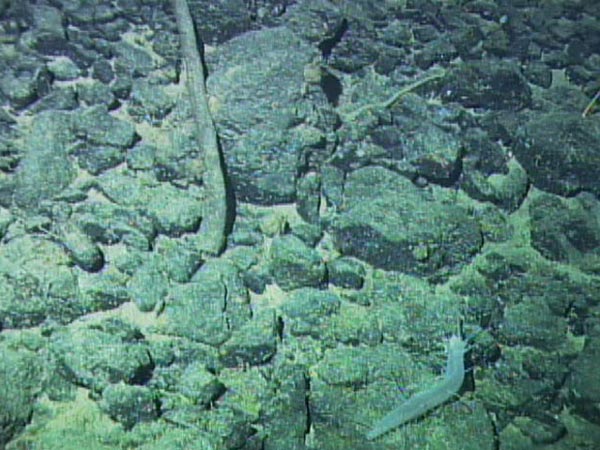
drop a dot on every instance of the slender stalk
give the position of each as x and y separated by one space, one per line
214 219
591 105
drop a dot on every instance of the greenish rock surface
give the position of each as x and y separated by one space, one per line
96 357
21 375
294 264
394 225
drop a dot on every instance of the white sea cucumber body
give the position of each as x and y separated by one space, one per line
423 401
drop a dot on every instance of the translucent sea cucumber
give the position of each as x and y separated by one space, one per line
423 401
